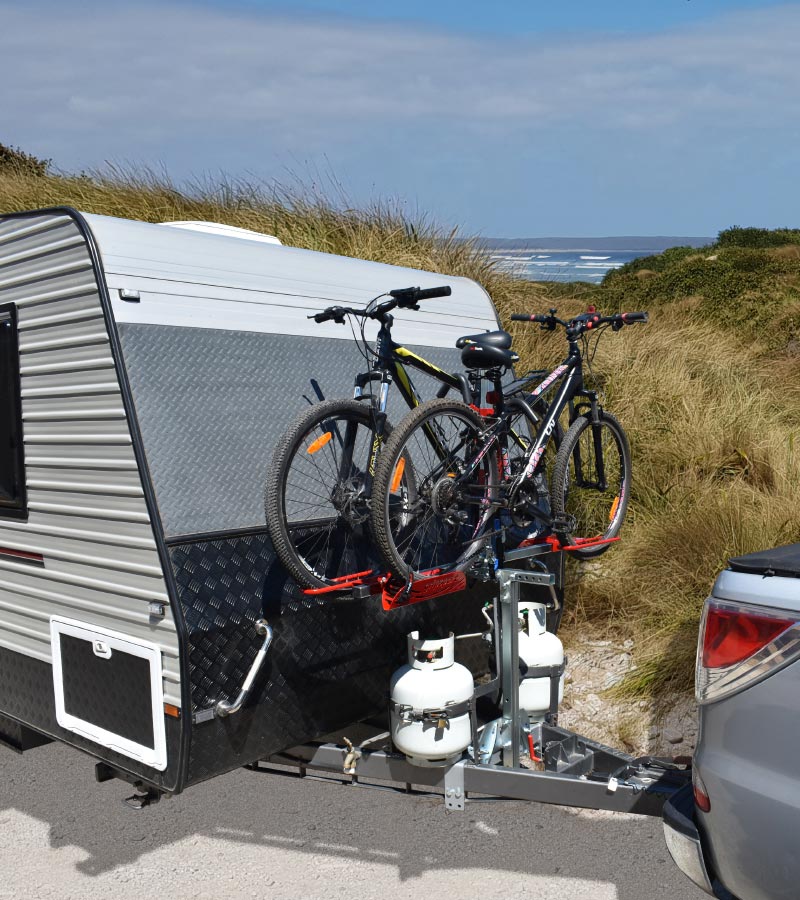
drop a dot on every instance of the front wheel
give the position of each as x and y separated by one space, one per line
592 480
317 493
443 524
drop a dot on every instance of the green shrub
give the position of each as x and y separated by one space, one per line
758 238
658 263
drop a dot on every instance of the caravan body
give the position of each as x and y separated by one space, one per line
145 374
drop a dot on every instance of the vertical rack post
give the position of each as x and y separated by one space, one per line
510 733
509 677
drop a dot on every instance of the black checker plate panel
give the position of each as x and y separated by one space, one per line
329 664
27 695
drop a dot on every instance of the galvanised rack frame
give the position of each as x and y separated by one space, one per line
571 770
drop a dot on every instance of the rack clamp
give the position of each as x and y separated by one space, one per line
418 588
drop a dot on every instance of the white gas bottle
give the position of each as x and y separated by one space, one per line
537 648
430 703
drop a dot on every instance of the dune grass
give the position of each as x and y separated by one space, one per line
708 392
299 216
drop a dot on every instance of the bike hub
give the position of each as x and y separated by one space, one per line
443 495
348 501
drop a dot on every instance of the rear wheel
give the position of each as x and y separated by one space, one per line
315 497
441 525
591 481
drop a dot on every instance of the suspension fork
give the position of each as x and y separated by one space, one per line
597 439
597 446
378 413
378 429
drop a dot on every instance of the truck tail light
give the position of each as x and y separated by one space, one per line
701 798
741 645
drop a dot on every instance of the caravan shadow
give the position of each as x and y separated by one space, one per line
202 833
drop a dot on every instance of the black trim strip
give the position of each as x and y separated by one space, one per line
224 535
144 472
16 507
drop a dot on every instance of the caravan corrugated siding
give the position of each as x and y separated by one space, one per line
87 512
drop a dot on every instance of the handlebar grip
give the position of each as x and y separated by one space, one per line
524 317
630 317
430 293
413 294
337 313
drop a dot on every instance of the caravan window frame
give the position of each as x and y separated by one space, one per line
13 493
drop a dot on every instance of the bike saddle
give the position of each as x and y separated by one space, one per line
485 356
500 339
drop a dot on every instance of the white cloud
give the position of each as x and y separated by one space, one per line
118 66
202 88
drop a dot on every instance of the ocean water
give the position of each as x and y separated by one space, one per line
563 265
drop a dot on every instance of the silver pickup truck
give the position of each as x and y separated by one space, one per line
736 830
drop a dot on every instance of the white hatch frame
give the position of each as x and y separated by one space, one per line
106 641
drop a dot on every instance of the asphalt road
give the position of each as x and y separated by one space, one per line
266 836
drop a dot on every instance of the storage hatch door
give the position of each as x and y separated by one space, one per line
108 689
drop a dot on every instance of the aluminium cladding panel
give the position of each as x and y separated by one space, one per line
210 281
87 515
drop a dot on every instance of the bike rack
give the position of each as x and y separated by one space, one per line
434 583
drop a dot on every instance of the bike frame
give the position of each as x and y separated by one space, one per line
389 366
570 374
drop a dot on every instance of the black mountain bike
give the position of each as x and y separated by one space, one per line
489 471
320 479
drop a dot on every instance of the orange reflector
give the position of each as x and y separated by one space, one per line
398 474
170 710
319 443
614 508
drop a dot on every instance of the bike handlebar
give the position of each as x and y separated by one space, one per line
584 322
405 298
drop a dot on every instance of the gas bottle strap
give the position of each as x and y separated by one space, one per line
442 714
544 671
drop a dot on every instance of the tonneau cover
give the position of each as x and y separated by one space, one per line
779 561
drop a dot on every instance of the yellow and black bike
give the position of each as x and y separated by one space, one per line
320 480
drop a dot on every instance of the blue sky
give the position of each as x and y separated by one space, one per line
506 119
515 17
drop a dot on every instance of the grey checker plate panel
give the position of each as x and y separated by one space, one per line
211 404
329 664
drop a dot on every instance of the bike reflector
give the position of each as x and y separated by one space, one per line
319 443
740 645
398 474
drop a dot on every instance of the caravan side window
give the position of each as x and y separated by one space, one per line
12 457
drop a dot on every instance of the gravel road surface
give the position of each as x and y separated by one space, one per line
254 835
